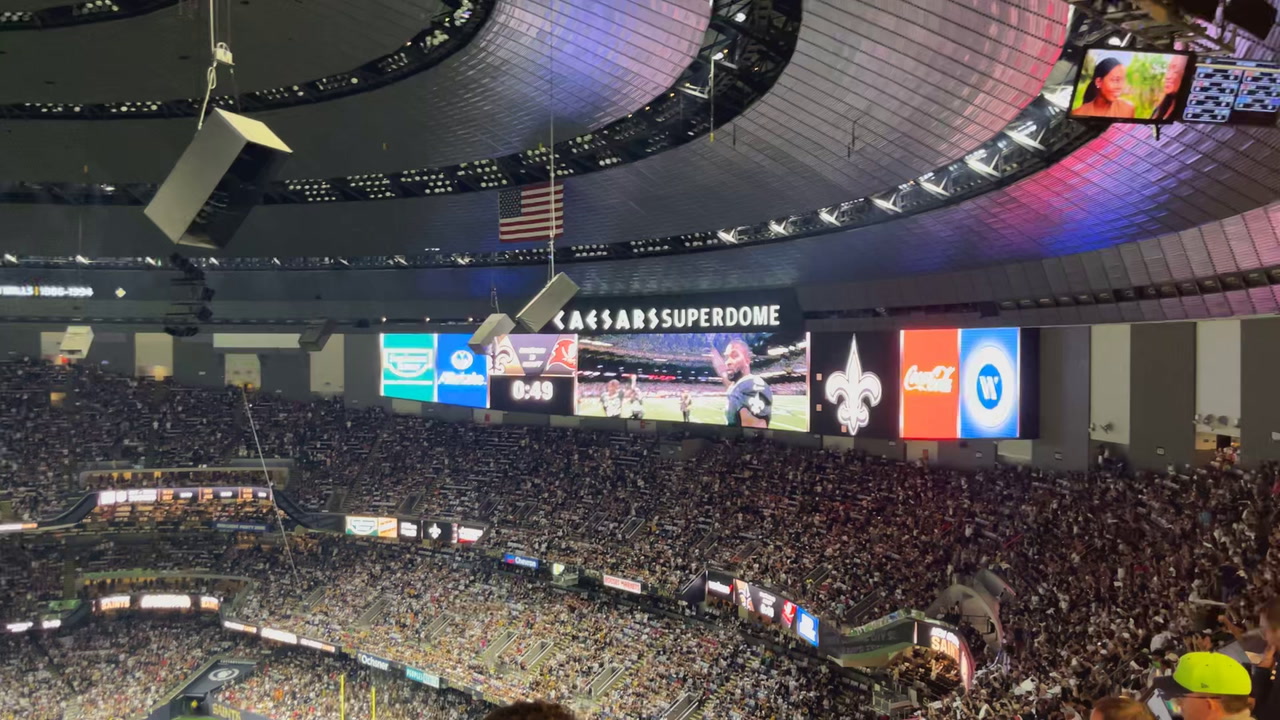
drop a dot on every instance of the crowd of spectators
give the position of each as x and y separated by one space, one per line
293 684
105 670
1108 571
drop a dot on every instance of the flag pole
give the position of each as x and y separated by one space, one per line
711 92
551 168
373 702
342 697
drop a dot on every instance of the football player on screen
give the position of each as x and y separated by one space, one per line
611 399
750 400
634 402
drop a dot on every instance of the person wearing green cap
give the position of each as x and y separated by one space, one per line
1266 692
1208 686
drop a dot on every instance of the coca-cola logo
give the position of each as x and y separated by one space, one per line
938 380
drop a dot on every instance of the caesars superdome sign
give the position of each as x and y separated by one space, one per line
756 311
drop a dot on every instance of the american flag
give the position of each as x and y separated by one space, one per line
527 213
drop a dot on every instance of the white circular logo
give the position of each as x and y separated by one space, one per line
462 359
989 404
224 674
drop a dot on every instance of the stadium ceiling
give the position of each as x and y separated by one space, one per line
598 60
875 92
1048 235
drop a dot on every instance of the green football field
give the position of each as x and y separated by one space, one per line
790 412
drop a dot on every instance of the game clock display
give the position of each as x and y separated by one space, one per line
547 395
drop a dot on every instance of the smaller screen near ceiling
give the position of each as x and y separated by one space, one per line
1130 86
1227 91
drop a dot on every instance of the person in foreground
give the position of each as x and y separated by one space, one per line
1119 708
538 710
1208 686
1266 692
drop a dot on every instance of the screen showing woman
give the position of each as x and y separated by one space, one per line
1130 86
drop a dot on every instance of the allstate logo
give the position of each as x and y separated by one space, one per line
224 674
408 364
990 386
462 359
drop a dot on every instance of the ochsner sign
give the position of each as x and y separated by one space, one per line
373 661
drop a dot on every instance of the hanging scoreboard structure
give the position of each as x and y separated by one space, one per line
752 367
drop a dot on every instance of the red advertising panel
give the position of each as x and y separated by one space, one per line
930 384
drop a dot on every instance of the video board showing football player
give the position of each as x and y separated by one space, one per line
737 379
534 373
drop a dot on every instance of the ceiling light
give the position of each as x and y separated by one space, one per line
1020 136
214 262
120 292
778 228
974 164
741 16
10 258
887 205
729 237
828 216
82 260
930 187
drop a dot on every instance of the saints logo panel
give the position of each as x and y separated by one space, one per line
852 378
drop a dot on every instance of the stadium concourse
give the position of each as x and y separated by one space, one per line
1100 568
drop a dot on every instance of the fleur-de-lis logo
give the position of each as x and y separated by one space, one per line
854 392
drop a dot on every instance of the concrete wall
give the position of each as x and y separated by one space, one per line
288 374
1109 363
1260 399
967 454
152 354
1218 375
19 341
1065 355
328 367
406 407
361 374
112 351
1163 399
196 363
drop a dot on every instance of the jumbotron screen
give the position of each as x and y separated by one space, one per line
735 379
915 384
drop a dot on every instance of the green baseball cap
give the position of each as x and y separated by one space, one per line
1205 673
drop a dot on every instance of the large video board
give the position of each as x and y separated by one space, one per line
913 384
962 384
735 379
